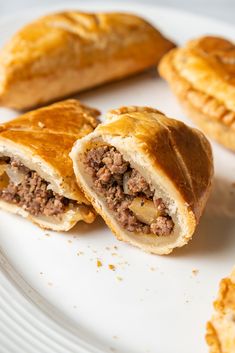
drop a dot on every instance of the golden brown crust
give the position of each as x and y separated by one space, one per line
179 155
67 52
43 139
202 75
220 334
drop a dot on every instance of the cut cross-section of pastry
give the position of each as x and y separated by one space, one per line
149 176
220 334
202 76
36 174
64 53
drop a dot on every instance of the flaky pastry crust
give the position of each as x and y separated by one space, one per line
42 140
220 334
171 156
202 76
63 53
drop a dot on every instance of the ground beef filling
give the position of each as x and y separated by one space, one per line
120 184
31 192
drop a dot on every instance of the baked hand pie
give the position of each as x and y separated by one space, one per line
148 176
64 53
36 174
202 75
221 329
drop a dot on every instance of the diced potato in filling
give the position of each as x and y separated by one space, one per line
144 210
134 202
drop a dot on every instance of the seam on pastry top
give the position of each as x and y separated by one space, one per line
202 101
88 26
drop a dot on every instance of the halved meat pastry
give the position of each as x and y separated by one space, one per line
147 175
36 173
221 329
202 75
60 54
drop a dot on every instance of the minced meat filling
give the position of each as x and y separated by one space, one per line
121 185
31 192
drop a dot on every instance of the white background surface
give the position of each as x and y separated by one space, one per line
220 9
159 306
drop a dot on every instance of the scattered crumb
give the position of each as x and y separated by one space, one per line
147 289
94 251
50 284
107 248
69 241
41 125
112 349
114 254
152 268
187 301
99 263
41 273
115 247
119 278
47 235
115 337
80 253
195 272
112 267
75 306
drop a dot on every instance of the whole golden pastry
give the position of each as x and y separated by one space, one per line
148 176
202 76
221 329
63 53
36 174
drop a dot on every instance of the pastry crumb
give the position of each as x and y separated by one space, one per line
195 272
69 241
119 278
115 247
50 284
153 269
80 253
112 267
99 263
41 273
107 248
112 349
115 337
47 235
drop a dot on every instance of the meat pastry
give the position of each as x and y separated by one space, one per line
67 52
202 75
36 174
147 175
221 329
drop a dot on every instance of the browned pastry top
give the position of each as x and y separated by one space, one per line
54 32
203 74
50 133
219 53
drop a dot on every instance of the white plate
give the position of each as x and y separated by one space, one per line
54 298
